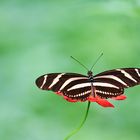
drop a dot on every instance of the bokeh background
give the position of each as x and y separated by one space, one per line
38 37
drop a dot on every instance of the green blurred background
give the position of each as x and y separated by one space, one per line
38 37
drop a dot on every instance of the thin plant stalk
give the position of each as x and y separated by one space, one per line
80 126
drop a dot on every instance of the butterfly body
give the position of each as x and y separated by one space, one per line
77 87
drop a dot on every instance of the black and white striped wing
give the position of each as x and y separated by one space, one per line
112 83
71 85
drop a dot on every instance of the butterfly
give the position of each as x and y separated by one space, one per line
76 87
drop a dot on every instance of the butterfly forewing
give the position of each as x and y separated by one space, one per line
72 85
125 77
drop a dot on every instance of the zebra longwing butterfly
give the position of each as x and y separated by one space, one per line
77 87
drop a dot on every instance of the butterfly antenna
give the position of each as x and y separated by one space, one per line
96 61
80 63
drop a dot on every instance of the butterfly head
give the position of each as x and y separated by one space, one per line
90 75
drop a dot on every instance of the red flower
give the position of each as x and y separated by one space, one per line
97 99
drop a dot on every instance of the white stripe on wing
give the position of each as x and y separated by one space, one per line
71 80
137 71
44 81
127 75
56 80
77 86
100 84
112 77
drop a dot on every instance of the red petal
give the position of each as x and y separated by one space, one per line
92 99
69 99
121 97
104 103
65 97
59 93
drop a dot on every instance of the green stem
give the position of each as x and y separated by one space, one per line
80 126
